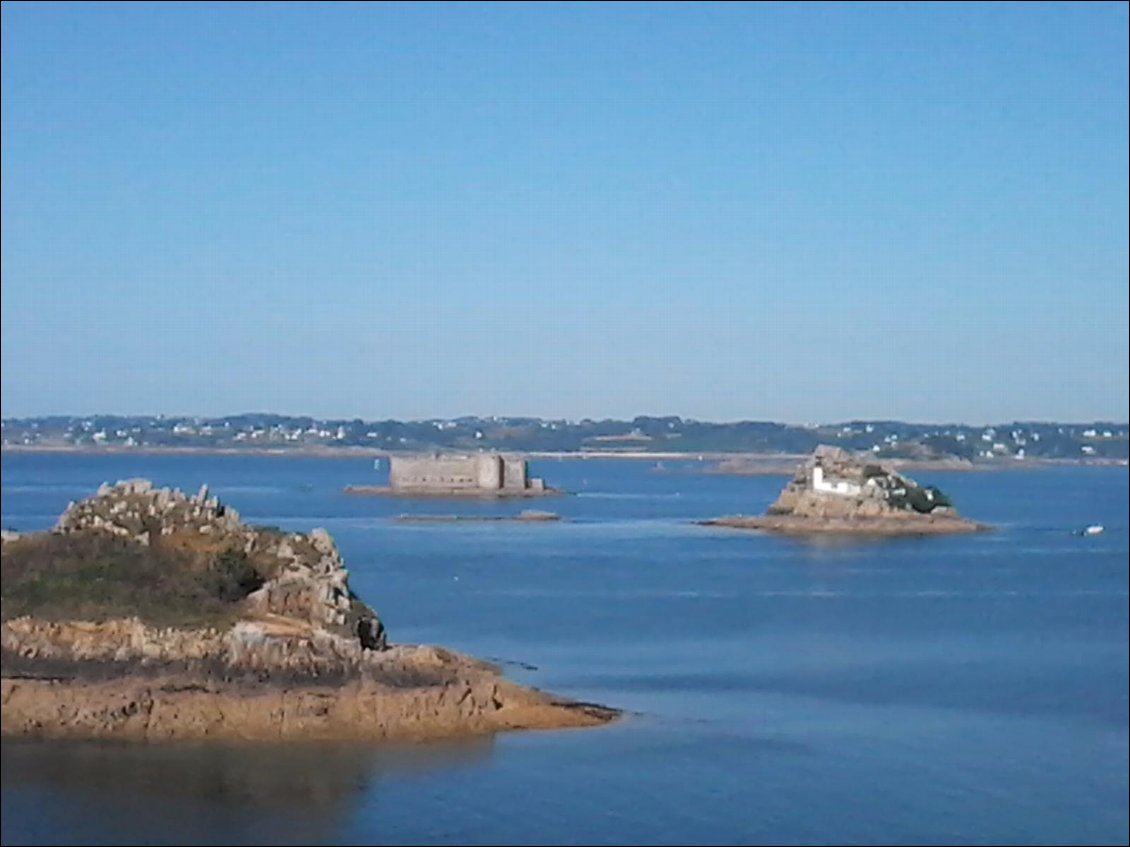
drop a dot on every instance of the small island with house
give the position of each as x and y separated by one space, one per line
838 493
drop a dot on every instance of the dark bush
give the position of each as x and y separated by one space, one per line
234 576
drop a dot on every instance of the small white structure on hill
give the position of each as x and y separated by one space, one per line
833 486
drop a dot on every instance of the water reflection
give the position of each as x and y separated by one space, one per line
86 792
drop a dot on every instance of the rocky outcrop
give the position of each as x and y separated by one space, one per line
303 575
285 662
836 492
133 508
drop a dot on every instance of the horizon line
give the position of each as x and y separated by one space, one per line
573 420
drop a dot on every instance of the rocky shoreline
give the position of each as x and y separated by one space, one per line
407 693
794 525
251 634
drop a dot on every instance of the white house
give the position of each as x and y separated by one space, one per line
833 486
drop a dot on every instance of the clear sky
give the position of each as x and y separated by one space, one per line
795 212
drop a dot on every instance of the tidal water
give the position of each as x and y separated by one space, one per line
965 690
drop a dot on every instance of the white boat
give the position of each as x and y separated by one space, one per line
1093 529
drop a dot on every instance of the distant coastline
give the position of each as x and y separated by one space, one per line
781 462
352 452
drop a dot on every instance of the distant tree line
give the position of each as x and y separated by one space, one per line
884 439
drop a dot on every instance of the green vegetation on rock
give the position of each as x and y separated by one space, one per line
96 576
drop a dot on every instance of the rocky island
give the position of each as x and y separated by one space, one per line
150 615
838 493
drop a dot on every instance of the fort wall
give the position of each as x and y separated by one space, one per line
437 472
482 473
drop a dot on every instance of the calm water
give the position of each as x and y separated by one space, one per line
938 691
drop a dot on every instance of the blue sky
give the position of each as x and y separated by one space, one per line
795 212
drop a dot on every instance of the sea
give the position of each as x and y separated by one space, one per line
957 690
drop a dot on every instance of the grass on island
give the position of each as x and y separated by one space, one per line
95 576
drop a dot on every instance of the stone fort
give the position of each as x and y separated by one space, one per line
482 473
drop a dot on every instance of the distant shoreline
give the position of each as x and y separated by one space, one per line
327 452
379 453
